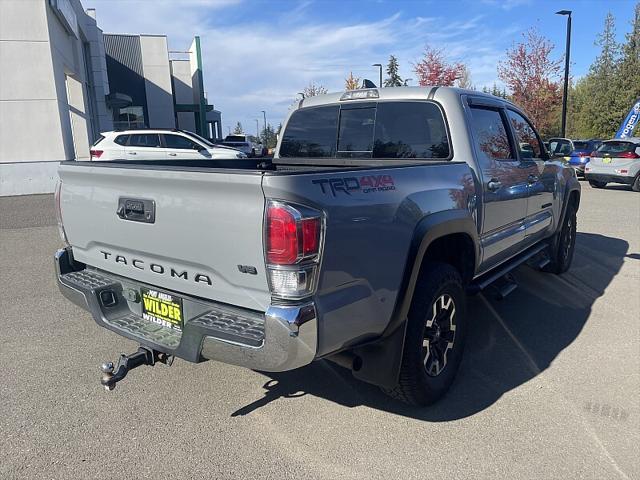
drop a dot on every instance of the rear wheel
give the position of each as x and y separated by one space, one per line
636 184
597 184
561 254
435 336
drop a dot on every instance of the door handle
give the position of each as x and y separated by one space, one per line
132 153
493 185
173 154
532 179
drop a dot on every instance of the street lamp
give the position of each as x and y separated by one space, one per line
379 65
567 53
264 116
257 130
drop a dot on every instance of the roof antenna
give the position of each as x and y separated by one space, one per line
366 83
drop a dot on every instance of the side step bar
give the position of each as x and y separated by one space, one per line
484 281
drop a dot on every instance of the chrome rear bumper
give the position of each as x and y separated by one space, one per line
282 338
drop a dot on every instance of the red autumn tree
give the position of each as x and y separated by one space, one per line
433 69
533 79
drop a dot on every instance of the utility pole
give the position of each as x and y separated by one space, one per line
264 116
567 54
379 65
257 130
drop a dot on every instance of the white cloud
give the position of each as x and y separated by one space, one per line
262 63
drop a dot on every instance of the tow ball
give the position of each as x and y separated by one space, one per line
144 356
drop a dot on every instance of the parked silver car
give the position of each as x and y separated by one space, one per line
615 161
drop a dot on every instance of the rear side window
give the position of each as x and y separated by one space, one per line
490 134
144 140
311 132
581 145
410 130
616 147
385 130
121 139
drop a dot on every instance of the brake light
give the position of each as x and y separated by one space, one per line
290 236
628 155
293 237
282 235
583 154
595 154
95 153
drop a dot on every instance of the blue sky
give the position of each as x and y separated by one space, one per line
258 54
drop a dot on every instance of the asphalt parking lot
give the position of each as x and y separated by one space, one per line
549 387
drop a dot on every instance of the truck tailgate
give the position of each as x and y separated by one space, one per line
206 239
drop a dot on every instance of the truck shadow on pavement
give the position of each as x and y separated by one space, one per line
509 342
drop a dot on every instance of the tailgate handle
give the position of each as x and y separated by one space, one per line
136 210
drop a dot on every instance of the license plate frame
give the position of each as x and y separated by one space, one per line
162 308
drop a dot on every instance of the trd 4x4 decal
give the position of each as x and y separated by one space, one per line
348 185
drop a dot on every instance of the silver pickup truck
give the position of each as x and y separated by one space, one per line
358 243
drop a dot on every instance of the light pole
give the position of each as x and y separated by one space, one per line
264 140
257 130
379 65
567 53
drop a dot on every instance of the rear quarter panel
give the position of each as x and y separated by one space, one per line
370 217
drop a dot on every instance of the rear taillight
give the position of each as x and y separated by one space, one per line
95 153
583 154
594 154
57 197
293 239
628 155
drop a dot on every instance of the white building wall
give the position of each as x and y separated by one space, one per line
28 99
44 101
183 92
157 80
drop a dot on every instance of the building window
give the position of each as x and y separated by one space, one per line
128 118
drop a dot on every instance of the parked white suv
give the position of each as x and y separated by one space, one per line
158 144
615 161
242 143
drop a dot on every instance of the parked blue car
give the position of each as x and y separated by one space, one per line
581 154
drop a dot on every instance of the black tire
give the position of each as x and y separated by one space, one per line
597 184
420 382
636 184
563 246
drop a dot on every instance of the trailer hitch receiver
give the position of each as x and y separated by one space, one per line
111 375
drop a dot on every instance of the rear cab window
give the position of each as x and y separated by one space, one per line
402 130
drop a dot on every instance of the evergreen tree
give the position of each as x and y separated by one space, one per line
627 84
602 109
393 78
238 129
268 136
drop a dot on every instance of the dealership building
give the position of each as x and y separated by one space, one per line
63 82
